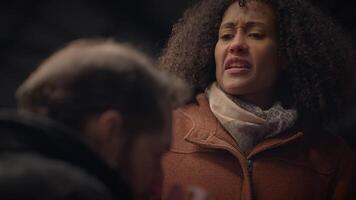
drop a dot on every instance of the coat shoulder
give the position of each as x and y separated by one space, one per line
186 119
328 153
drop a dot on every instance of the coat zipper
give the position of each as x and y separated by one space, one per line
250 167
250 173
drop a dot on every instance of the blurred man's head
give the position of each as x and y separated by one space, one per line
113 95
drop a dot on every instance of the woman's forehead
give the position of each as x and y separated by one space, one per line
252 11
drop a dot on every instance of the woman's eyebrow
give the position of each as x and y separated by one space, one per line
228 25
247 24
255 23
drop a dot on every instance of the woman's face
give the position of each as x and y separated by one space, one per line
246 52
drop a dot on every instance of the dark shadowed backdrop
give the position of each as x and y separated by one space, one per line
33 29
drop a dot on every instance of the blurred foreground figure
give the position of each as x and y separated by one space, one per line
30 177
116 101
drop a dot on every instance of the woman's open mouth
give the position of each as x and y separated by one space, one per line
237 65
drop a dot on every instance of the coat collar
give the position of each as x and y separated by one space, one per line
207 133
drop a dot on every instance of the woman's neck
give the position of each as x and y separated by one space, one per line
262 100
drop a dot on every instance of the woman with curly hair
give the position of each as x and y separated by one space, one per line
269 76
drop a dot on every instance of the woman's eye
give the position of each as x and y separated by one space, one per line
226 37
256 36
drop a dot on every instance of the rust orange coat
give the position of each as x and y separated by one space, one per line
293 165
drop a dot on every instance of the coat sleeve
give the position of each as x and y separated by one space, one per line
345 187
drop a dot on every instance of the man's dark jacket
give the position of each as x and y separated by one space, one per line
23 133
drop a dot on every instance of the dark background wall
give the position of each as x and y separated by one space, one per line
33 29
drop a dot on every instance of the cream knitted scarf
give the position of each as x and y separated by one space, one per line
248 124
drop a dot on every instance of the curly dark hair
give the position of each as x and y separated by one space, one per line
318 76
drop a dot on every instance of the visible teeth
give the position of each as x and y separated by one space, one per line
237 65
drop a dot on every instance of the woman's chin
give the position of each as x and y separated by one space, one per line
234 89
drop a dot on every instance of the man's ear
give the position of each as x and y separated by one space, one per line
107 134
110 125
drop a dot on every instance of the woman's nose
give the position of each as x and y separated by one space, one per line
238 45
